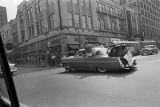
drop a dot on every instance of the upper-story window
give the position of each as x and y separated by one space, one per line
89 20
50 13
74 1
76 17
84 22
51 22
36 9
29 16
70 19
50 8
40 5
82 3
21 22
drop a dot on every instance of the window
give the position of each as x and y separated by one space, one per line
36 9
29 16
40 4
84 22
29 33
100 8
82 3
41 26
142 12
70 19
134 4
113 24
32 29
23 35
38 28
74 1
89 22
50 4
76 20
51 22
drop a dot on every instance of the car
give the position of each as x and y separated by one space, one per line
97 58
13 68
149 50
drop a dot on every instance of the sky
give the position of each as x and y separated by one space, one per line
11 6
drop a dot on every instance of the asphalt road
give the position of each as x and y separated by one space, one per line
56 88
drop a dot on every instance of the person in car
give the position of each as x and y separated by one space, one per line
113 53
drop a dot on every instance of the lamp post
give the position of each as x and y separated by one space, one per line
48 47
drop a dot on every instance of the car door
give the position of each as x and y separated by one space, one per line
81 60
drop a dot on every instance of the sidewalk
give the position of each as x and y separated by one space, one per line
37 65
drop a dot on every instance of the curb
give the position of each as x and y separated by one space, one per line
39 66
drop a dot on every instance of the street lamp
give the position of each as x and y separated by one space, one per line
48 46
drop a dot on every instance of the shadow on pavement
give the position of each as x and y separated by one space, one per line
85 74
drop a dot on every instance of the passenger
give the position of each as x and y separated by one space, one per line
113 53
122 53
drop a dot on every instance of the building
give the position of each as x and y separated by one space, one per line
7 37
3 16
132 22
149 18
44 28
14 33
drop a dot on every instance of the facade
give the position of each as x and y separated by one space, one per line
149 18
7 36
14 33
132 22
46 28
3 16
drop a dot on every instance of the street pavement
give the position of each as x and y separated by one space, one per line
53 87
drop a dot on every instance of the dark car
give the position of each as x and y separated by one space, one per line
149 50
98 58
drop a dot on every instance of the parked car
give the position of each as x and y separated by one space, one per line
13 68
149 50
97 58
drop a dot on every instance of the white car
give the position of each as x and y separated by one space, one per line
13 68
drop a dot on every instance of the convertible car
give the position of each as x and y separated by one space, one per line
100 59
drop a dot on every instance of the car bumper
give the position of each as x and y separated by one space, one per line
14 69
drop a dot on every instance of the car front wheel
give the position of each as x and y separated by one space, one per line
67 67
145 53
101 69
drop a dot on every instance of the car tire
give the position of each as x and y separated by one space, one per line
145 53
101 69
67 67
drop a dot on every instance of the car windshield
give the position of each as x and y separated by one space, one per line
82 53
3 88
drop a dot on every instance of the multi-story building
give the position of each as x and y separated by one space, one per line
132 22
57 27
149 18
14 33
7 36
3 16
